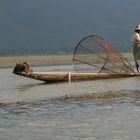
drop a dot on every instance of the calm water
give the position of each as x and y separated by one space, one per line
39 117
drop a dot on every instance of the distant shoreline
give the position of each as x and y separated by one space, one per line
36 60
43 60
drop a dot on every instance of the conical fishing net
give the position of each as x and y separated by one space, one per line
94 54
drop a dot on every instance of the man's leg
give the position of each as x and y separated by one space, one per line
137 66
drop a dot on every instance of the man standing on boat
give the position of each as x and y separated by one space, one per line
136 46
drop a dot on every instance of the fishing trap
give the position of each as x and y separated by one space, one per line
95 54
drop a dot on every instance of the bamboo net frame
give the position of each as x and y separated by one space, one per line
95 54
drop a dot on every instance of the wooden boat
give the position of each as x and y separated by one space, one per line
50 77
92 52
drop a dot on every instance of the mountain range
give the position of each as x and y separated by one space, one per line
56 26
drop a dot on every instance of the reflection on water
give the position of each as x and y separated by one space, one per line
26 87
90 110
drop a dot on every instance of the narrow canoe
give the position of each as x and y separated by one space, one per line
72 76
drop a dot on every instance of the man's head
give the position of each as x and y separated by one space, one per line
137 28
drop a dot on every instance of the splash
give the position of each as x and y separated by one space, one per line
100 96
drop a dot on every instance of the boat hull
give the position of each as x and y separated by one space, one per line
73 77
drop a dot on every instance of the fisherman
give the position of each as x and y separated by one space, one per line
136 45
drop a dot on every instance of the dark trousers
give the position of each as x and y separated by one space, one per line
136 53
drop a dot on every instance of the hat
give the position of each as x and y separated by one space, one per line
137 27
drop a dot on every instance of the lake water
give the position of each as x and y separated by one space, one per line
28 110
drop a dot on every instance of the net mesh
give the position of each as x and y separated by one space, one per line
94 54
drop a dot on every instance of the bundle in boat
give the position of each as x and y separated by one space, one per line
93 58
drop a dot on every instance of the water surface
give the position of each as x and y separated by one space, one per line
32 110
